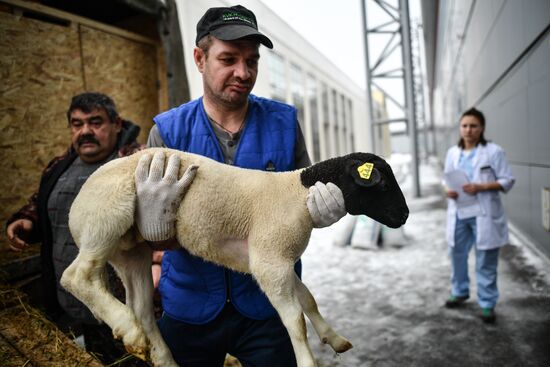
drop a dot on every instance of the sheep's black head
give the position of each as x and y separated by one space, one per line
368 184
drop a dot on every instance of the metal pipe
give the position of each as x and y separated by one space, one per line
409 92
370 109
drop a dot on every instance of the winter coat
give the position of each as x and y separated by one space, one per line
37 212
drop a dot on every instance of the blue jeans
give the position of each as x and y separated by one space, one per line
256 343
486 265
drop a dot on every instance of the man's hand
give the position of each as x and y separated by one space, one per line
16 231
156 268
325 204
159 197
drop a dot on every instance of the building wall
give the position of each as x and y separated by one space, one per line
495 55
345 133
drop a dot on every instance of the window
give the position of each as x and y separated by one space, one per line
344 121
277 77
313 105
335 110
324 103
350 125
326 125
297 91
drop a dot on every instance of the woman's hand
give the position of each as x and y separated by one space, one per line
472 188
452 194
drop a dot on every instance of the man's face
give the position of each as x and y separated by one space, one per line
229 71
93 135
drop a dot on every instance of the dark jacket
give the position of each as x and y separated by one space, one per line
36 210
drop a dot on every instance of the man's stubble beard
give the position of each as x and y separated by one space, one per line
224 100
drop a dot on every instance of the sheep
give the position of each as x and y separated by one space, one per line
247 220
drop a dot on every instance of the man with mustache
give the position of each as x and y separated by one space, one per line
98 135
209 310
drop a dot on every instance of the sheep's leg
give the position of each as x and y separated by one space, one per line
134 268
83 278
276 278
323 329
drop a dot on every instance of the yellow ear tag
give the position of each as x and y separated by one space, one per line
365 170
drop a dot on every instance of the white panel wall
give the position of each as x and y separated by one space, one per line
487 56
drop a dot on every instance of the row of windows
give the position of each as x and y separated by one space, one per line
306 89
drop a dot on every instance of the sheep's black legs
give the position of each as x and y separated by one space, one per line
323 329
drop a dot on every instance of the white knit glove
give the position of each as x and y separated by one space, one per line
325 204
158 198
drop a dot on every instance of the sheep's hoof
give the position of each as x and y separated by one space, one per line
343 347
339 344
141 353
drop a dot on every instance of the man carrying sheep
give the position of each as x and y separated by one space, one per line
98 135
209 310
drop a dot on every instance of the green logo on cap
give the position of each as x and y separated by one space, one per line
232 16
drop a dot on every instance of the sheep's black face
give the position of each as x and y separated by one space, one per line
370 188
368 184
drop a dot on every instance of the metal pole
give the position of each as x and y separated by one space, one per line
370 112
409 92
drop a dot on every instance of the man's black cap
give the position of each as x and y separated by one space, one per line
229 24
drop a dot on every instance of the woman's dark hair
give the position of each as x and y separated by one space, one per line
481 118
86 102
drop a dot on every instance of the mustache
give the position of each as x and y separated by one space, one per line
87 139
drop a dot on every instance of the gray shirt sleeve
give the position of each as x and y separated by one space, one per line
301 157
155 140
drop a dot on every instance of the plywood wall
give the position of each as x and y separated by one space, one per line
40 68
126 71
42 65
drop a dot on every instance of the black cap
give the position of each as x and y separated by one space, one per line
229 24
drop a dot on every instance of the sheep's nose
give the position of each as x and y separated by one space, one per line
405 216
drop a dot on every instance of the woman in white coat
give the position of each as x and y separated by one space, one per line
488 173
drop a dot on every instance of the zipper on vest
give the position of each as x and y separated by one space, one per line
227 286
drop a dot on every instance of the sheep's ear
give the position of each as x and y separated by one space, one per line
364 173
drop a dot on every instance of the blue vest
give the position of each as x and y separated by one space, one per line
193 290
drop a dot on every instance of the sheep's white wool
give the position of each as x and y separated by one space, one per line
246 220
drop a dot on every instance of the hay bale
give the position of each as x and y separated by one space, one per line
11 357
38 340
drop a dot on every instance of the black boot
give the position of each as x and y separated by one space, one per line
455 301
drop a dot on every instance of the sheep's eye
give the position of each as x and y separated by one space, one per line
382 186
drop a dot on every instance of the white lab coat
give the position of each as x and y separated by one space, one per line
489 165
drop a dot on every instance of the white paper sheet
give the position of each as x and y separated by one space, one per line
467 205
